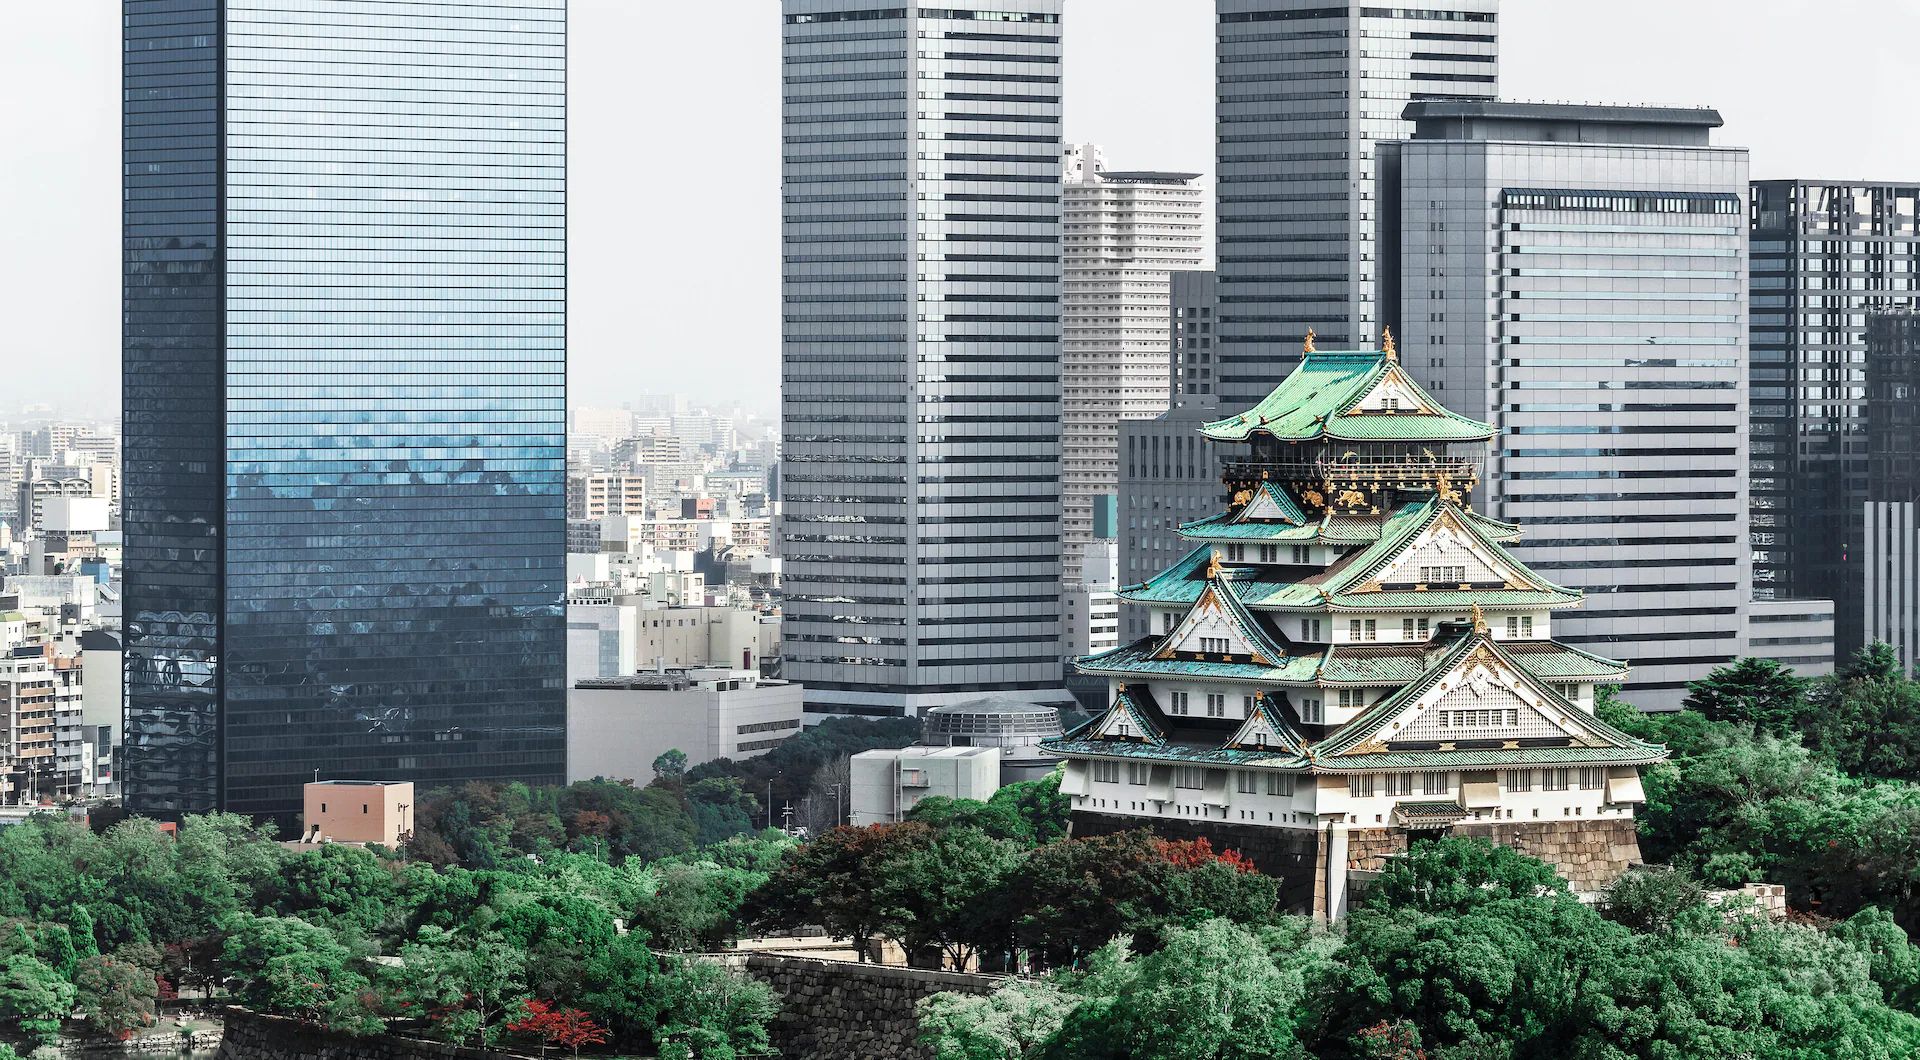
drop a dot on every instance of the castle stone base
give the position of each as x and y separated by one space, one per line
1589 855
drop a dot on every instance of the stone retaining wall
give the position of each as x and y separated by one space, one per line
1589 854
253 1036
834 1010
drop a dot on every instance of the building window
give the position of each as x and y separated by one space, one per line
1280 783
1310 630
1443 575
1236 553
1269 553
1247 782
1216 705
1106 772
1363 629
1178 701
1137 772
1302 554
1191 777
1519 780
1479 719
1246 704
1592 779
1399 783
1353 698
1553 779
1312 712
1360 787
1437 783
1519 625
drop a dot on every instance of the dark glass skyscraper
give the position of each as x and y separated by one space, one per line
344 389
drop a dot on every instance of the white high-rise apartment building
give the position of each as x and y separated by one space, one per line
920 353
1577 276
1305 89
1124 235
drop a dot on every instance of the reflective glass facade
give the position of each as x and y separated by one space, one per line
1826 255
385 391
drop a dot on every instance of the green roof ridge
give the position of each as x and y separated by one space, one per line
1312 402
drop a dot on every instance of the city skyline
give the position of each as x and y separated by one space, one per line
63 299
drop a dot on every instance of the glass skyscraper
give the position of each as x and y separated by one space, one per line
920 353
344 390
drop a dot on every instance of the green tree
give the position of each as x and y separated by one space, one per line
622 988
1868 717
708 1012
1457 874
34 998
935 888
465 986
832 882
1652 901
116 996
697 906
341 886
1039 804
1010 1023
285 965
1214 992
670 766
1759 692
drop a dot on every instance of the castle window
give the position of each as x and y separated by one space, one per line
1247 782
1310 629
1437 783
1363 629
1302 554
1137 772
1553 779
1269 553
1399 783
1443 575
1312 712
1280 783
1178 701
1353 698
1360 787
1216 705
1519 780
1106 772
1592 779
1192 777
1236 553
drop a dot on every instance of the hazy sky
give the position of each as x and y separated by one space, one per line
675 169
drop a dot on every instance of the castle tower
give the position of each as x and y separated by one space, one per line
1350 661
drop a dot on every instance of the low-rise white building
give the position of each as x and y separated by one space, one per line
617 726
891 781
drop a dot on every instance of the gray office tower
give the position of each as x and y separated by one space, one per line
1825 255
344 371
1305 89
1577 276
920 384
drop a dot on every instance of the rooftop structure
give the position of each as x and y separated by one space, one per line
1351 657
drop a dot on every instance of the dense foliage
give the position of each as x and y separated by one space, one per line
1465 950
1808 783
105 924
1000 882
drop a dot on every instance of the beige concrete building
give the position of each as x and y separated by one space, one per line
352 811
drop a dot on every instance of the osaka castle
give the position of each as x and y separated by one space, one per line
1350 661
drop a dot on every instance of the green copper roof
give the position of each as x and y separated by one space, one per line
1188 754
1317 401
1136 660
1336 752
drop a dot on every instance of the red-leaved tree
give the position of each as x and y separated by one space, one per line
1193 853
569 1028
